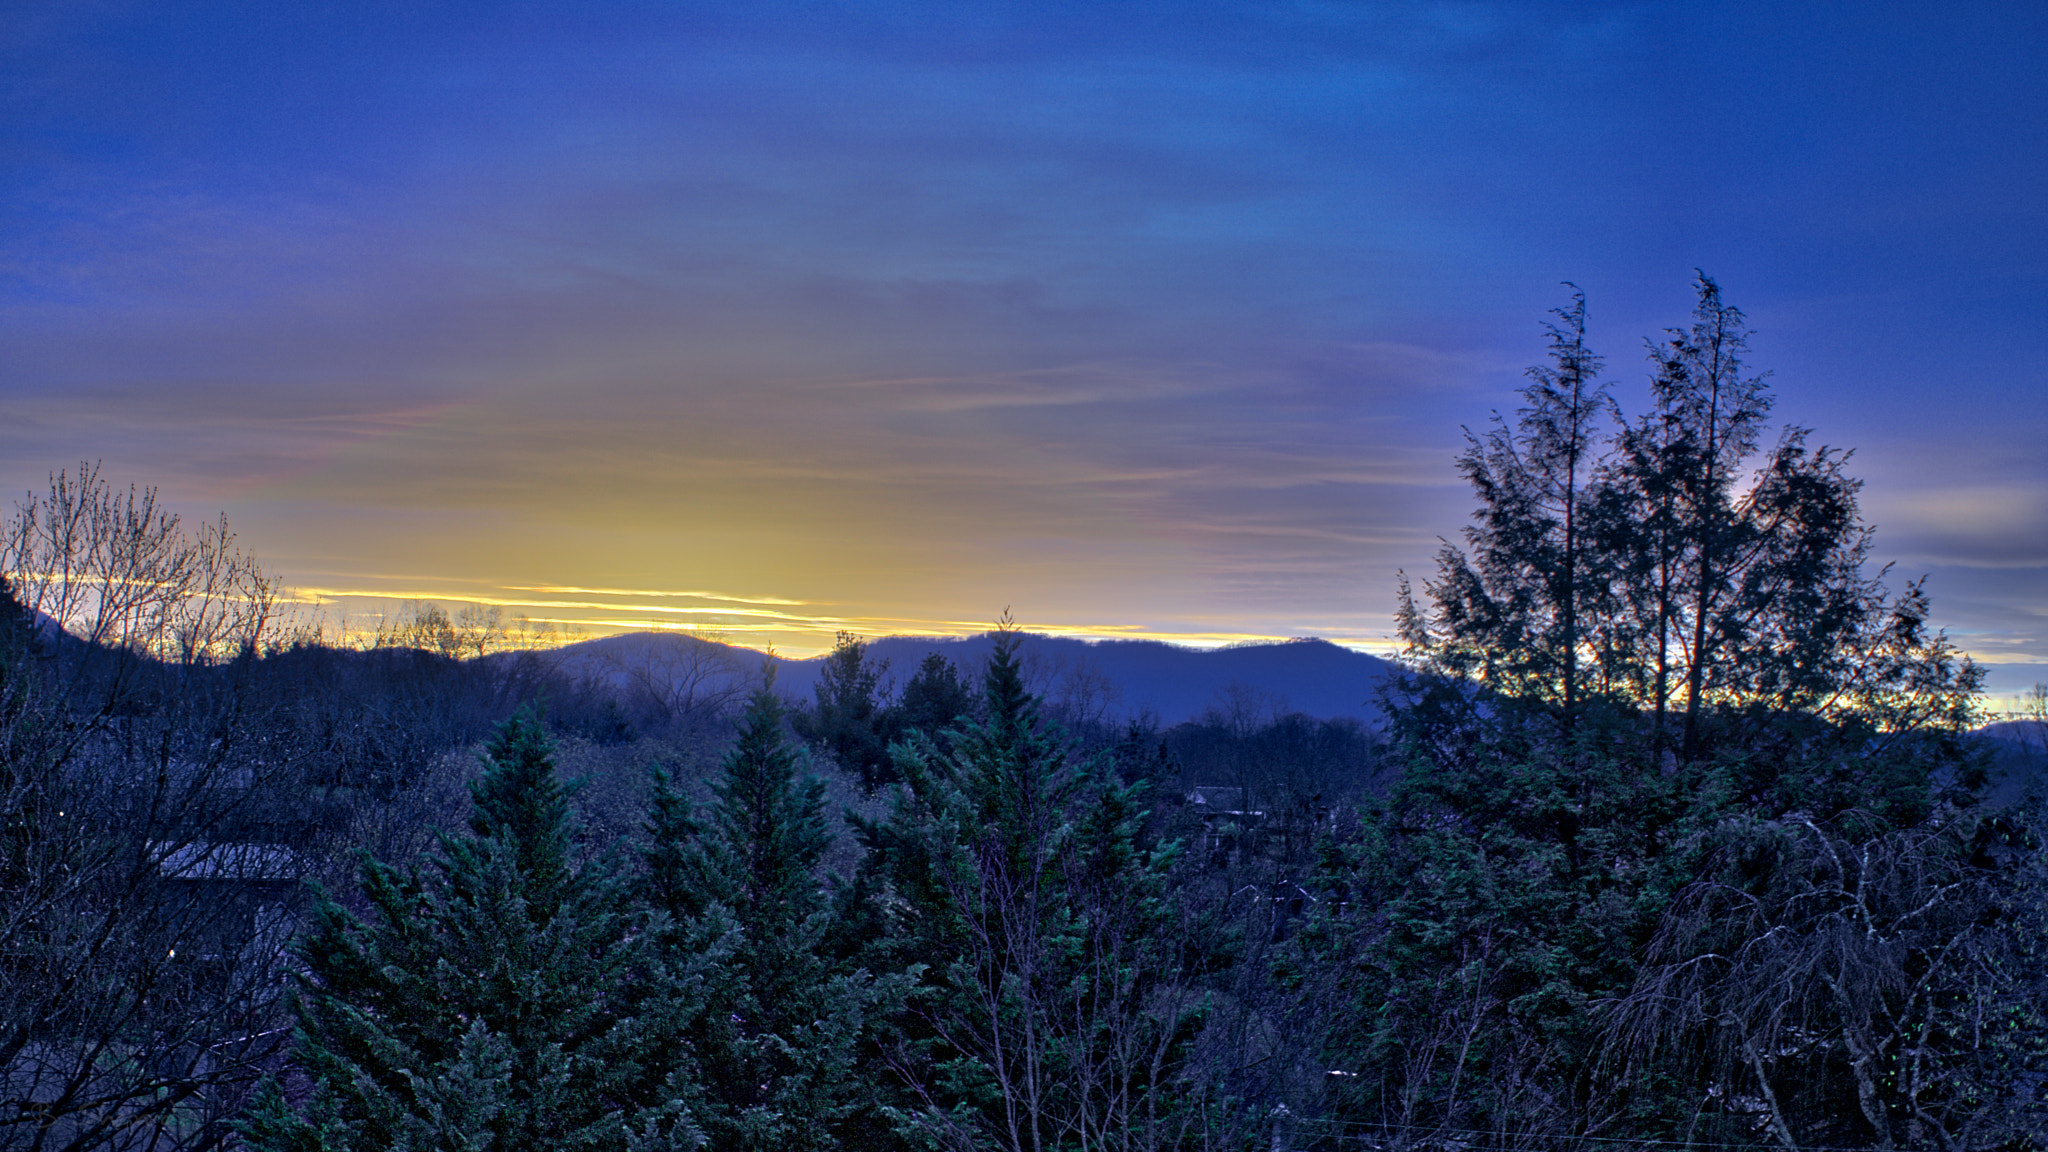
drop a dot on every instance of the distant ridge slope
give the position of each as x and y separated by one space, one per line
1172 682
2019 760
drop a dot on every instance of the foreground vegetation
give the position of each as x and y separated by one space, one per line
1675 835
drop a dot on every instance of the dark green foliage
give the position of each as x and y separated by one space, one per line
1052 1009
1521 884
508 998
1141 753
521 807
779 1043
933 701
17 623
848 719
1493 904
24 757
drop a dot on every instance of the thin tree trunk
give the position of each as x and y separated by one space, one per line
1709 529
1571 583
1763 1083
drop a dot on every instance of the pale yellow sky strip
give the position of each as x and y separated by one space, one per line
756 620
691 594
328 595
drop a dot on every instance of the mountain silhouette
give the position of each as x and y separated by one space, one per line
1112 679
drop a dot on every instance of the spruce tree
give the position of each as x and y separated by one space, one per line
849 718
933 700
779 1042
506 998
1022 890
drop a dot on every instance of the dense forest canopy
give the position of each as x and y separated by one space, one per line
1673 832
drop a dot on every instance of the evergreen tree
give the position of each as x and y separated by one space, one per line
24 754
1682 589
1021 887
1702 623
933 700
1492 905
848 718
1708 418
1513 612
780 1042
507 999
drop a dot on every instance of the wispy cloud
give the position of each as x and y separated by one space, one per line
655 592
331 595
2003 525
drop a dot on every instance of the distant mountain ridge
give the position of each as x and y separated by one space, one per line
1111 678
2019 759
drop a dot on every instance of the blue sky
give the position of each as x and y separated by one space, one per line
1148 318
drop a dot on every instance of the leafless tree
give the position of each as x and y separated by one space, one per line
1860 992
676 677
118 571
1078 694
140 941
480 629
420 624
2027 723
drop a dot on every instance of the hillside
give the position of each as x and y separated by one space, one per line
2019 763
1109 677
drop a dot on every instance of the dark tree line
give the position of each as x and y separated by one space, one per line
1006 967
854 719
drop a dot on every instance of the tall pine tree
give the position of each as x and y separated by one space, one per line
779 1044
1515 611
1670 567
507 998
1020 887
